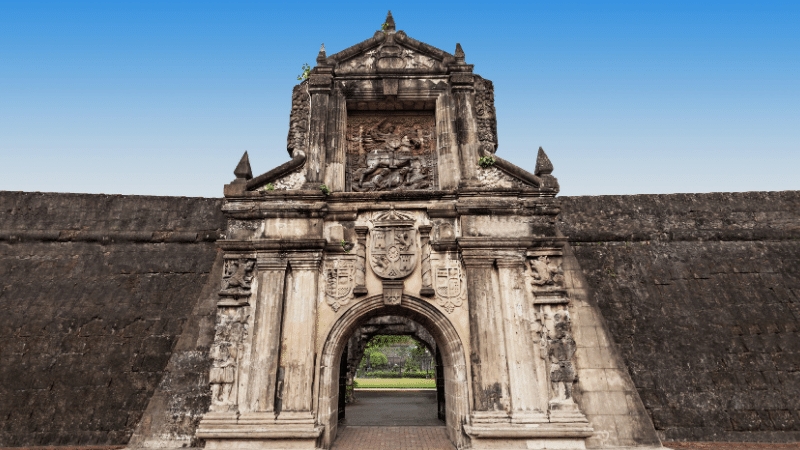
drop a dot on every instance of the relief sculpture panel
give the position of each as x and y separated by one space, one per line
391 152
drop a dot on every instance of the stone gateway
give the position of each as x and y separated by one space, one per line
394 205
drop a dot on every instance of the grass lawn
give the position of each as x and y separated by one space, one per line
395 383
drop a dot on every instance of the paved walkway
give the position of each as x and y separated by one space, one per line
393 408
392 438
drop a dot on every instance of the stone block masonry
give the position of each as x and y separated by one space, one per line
702 296
94 290
699 291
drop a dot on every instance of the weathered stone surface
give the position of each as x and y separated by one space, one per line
701 294
93 301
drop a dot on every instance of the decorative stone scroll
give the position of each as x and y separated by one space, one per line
485 114
237 279
297 140
231 330
339 280
391 152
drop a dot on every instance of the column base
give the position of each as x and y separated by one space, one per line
496 430
254 431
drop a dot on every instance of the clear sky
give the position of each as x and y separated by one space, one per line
163 97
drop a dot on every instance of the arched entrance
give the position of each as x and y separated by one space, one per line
450 347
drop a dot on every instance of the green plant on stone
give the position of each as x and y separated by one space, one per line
384 26
486 161
306 72
346 246
325 190
269 187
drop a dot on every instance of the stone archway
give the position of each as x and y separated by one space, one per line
447 341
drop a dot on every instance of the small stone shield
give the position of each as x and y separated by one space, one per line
448 282
339 283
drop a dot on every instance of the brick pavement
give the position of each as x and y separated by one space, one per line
392 438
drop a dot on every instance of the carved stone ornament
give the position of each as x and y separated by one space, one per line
559 348
485 114
231 329
388 56
297 141
545 272
339 281
449 285
391 152
393 246
237 277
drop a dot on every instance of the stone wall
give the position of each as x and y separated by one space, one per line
701 293
94 291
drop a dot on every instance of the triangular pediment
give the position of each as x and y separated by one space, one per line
390 51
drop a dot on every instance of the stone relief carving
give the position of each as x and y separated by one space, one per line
293 180
393 248
391 152
387 56
494 177
450 285
485 114
231 329
299 119
544 272
559 348
237 277
339 280
427 284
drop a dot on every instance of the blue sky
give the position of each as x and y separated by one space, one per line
162 98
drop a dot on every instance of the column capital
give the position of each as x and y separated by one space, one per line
304 260
271 261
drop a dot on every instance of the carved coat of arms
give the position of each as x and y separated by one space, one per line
339 283
393 247
449 286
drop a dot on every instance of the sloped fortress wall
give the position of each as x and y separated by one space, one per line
716 363
701 293
94 291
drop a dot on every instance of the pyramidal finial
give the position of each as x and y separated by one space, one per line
543 164
321 56
243 168
388 25
460 56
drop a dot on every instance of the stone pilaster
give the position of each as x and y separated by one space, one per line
447 143
489 369
268 312
319 87
299 336
466 125
336 143
522 373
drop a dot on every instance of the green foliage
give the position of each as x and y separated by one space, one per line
325 190
378 359
410 365
384 26
396 383
306 72
269 187
486 161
